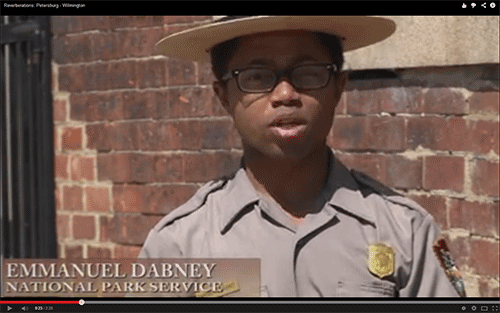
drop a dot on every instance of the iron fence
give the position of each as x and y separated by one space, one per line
27 215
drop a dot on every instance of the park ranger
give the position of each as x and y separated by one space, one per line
318 228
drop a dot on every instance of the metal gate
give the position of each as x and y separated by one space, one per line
27 215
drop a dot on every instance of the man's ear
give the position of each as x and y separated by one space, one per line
340 83
221 92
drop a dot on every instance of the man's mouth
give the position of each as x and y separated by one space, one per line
288 128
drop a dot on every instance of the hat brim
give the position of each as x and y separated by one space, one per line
355 31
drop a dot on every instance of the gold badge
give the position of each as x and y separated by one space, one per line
381 260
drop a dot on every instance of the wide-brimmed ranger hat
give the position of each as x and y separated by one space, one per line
195 43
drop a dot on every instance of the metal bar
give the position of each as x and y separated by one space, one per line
10 153
18 31
19 82
46 189
31 102
27 212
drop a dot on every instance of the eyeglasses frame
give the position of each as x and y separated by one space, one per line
283 73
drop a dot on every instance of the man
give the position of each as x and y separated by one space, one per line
318 228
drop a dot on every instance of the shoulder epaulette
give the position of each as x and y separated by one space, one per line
372 184
193 204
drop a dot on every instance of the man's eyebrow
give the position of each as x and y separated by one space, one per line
269 61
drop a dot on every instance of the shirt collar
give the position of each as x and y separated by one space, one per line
341 192
239 194
346 192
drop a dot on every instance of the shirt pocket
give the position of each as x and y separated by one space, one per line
365 289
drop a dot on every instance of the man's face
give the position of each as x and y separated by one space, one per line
285 123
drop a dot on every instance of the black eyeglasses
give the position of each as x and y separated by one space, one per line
263 79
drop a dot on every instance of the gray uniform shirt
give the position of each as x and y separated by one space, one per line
326 255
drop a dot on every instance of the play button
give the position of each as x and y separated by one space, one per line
9 308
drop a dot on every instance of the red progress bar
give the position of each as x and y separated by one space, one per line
39 302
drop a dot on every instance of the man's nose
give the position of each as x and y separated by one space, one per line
284 94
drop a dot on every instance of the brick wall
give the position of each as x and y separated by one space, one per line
137 133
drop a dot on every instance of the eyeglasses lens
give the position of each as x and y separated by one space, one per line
303 77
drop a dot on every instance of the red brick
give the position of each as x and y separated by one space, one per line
154 136
97 137
444 101
175 19
65 24
74 24
120 21
82 168
72 138
152 73
369 133
72 198
135 167
58 197
123 74
83 227
207 166
107 46
138 105
160 104
484 137
484 102
147 21
187 135
106 228
139 42
74 252
374 165
478 218
94 22
61 166
72 49
458 135
126 252
190 102
485 289
122 136
72 78
487 257
168 168
437 133
122 167
205 75
386 133
373 96
404 173
460 250
350 133
436 206
485 178
443 172
62 225
363 101
59 110
151 199
99 76
402 100
428 132
133 229
97 199
180 72
98 253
